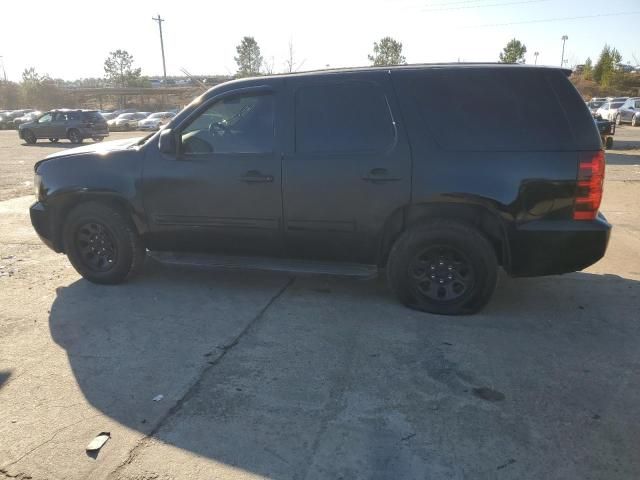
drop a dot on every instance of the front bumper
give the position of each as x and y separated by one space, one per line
554 247
42 221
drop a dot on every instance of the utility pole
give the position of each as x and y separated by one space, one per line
535 54
159 19
564 39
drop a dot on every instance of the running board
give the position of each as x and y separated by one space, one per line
298 267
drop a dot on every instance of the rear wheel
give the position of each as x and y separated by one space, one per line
74 136
443 267
102 245
634 121
618 119
54 140
29 137
608 144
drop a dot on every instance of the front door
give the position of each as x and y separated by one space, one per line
347 168
59 125
222 191
43 128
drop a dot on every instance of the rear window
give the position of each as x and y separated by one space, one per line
487 109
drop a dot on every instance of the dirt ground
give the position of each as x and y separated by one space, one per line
236 375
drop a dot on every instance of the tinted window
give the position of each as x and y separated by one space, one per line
93 117
242 124
487 109
346 117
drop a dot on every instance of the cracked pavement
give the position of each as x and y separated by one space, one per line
267 376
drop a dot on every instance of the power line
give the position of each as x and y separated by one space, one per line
502 4
544 20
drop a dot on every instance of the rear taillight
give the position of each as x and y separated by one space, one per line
590 183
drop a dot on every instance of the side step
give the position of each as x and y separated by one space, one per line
300 267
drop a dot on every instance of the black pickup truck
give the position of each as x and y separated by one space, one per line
349 171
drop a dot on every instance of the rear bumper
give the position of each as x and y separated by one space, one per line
41 219
554 247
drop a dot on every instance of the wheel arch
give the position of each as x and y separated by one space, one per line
480 216
67 202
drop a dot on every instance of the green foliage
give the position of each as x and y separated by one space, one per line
249 58
387 52
587 72
604 71
514 52
119 69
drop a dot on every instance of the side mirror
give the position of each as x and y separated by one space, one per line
167 142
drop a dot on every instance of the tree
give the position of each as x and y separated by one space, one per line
604 70
119 70
587 71
249 59
387 52
514 52
291 65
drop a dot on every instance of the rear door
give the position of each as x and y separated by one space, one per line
347 166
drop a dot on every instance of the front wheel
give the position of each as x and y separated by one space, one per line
618 120
102 244
634 122
443 267
54 140
29 137
97 139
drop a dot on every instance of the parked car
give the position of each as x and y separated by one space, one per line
126 121
594 104
7 119
347 172
617 99
108 115
629 112
609 110
155 121
29 117
75 125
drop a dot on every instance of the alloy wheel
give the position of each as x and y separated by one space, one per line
96 246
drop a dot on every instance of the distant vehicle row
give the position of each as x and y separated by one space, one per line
616 109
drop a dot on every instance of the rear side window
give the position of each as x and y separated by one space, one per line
93 117
343 117
487 109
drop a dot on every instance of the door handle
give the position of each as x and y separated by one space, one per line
379 175
254 176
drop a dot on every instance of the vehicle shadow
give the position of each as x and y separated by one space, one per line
625 144
126 344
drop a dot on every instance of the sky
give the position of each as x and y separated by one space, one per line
72 42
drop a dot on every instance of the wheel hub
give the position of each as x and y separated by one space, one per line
441 274
96 246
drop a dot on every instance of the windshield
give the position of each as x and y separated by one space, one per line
126 116
596 104
617 104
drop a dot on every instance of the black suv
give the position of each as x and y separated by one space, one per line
347 171
75 125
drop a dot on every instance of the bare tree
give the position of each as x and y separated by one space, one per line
290 63
267 66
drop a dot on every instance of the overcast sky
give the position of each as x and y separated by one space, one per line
71 39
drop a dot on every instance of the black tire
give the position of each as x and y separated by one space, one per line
97 139
74 136
54 140
456 259
618 120
102 244
608 144
634 121
29 137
